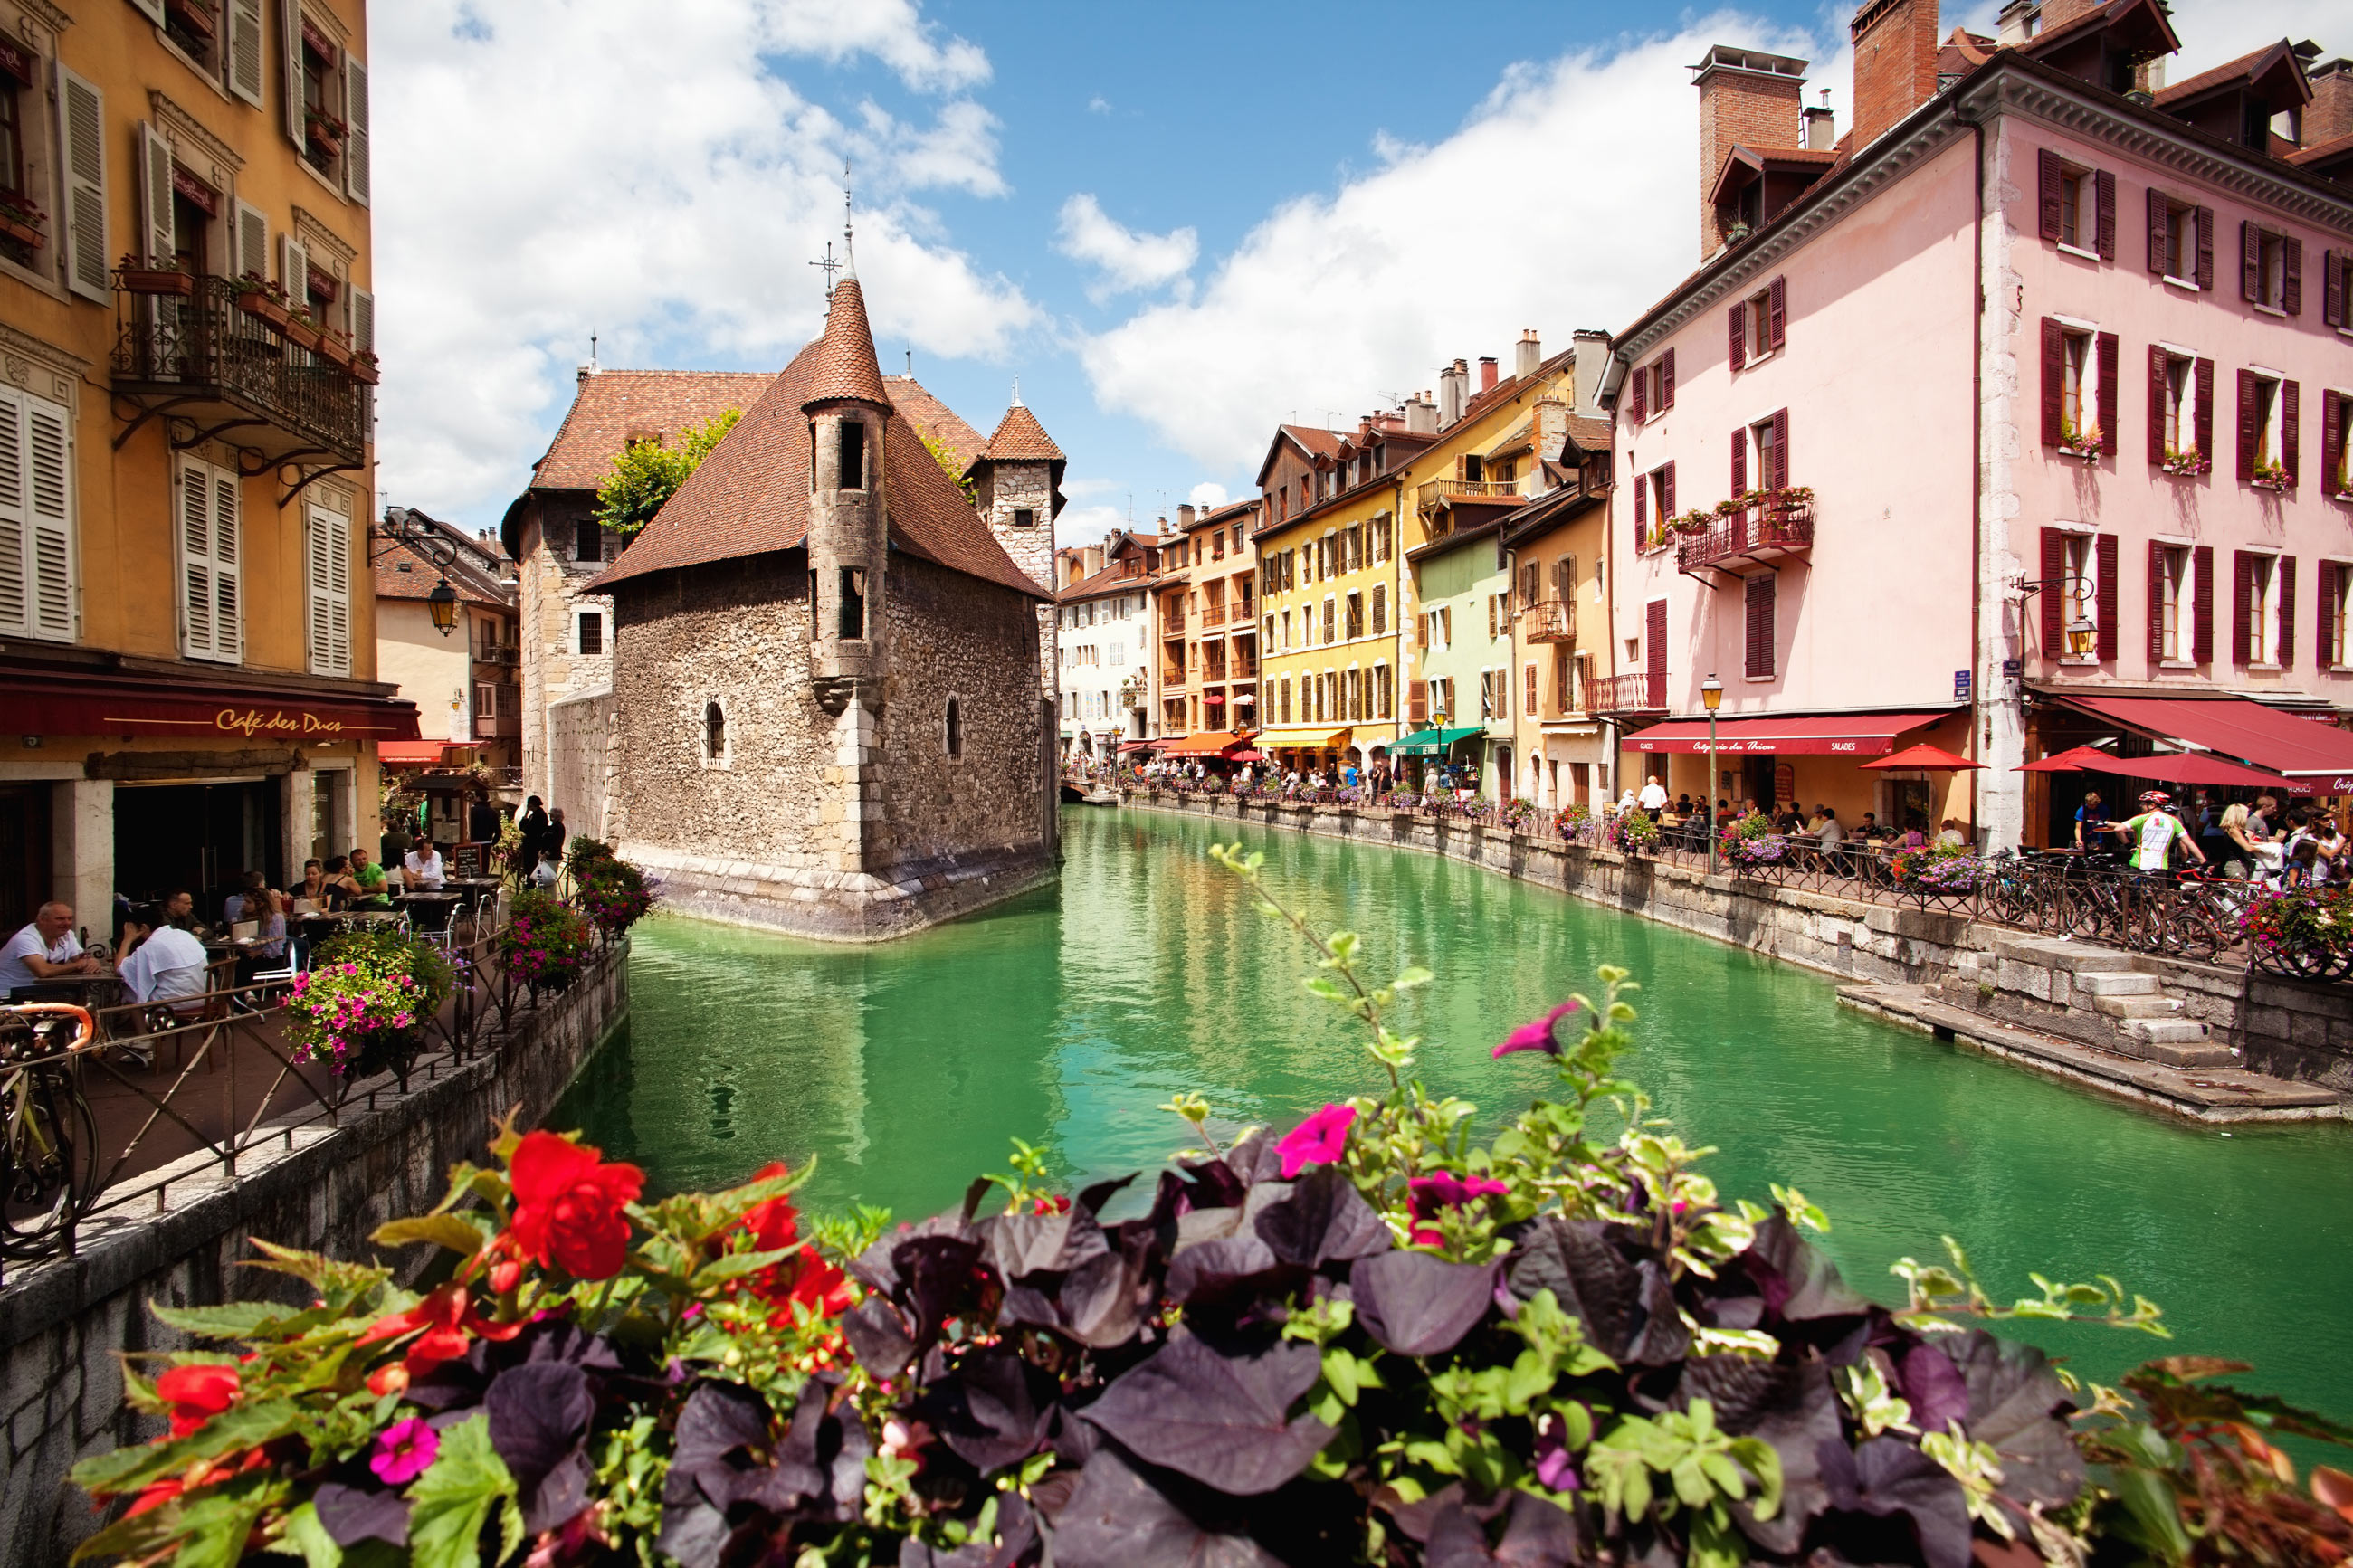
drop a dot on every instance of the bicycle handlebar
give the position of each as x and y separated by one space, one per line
86 1031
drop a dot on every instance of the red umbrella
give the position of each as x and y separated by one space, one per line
2074 760
1925 758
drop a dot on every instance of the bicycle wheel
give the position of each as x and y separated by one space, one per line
48 1162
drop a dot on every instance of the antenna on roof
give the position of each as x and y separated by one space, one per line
592 351
849 258
911 365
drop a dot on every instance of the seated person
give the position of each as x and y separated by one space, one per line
1830 833
1869 826
1787 819
162 962
340 885
423 864
368 883
543 875
45 950
313 889
1915 835
240 905
1950 836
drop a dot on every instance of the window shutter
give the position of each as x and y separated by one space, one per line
16 526
2105 184
2047 176
2206 248
362 321
294 268
2202 603
2104 593
2157 389
318 578
2246 425
1667 380
1760 623
1781 450
82 131
2155 604
245 49
2108 398
1737 318
2251 261
2243 601
2291 420
355 136
49 440
289 49
1491 618
2291 283
1739 463
1667 502
2286 570
2332 437
2160 212
229 619
151 10
1641 397
2325 651
2053 380
1654 646
1777 295
2053 594
211 625
2203 375
1641 510
155 195
1417 702
2332 288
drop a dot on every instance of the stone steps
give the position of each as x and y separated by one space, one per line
2118 983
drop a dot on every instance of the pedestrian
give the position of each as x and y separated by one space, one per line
532 826
1653 798
555 836
2154 832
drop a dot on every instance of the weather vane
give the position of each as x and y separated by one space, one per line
828 267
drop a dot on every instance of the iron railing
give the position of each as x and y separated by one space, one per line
1762 532
1549 620
201 349
1644 691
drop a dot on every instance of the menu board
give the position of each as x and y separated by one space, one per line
469 858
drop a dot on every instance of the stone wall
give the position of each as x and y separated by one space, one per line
549 585
63 1322
580 763
2295 1028
1009 488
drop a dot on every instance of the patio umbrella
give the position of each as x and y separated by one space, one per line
2074 760
1925 758
2192 768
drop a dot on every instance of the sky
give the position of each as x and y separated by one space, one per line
1172 228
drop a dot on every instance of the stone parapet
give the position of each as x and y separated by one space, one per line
817 897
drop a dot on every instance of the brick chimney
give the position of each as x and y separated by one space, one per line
1895 62
1821 126
1745 97
1185 515
1549 426
1527 355
1487 366
2059 12
2330 112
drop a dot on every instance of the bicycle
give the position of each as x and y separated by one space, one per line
49 1157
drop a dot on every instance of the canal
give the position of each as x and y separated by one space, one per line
1066 1018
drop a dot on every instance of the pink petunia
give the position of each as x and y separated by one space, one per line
1444 1189
1318 1141
1537 1036
404 1452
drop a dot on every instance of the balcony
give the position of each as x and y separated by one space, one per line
1642 692
1756 535
504 655
215 371
1428 497
1213 614
502 727
1171 677
1549 620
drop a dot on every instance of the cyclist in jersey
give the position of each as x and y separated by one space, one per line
2151 835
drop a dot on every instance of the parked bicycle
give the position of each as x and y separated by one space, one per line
50 1151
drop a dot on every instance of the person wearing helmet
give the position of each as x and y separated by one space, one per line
2153 832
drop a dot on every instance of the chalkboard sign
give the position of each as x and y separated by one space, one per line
469 858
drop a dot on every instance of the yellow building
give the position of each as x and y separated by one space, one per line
187 643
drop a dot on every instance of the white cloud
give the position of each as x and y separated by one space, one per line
1209 496
547 168
1099 104
1126 260
1088 524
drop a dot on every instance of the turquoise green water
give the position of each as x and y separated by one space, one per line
1067 1016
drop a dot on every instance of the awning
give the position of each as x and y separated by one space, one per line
411 753
1431 743
39 703
1209 744
1797 735
1140 745
1312 740
2267 737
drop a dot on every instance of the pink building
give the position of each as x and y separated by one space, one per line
2008 421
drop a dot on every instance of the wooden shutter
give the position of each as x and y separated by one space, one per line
2206 248
2326 652
1776 294
1760 594
155 195
1667 381
49 467
355 134
2286 570
245 50
2105 184
1642 398
2108 398
2332 288
2292 281
1642 509
295 269
2155 604
2160 212
1739 462
211 600
2251 261
1667 501
2054 382
2332 438
2242 605
81 115
289 49
2104 593
2291 420
1655 644
1738 321
151 10
2202 374
1530 700
2047 178
2158 361
2054 591
16 521
252 241
2246 425
362 319
1491 618
1781 450
2201 604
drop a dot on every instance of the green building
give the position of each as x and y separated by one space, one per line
1463 642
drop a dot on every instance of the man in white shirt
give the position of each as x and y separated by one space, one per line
164 963
1654 794
423 864
1831 832
46 950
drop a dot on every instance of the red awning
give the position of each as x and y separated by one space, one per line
1209 744
35 703
1140 745
1803 734
410 753
2283 742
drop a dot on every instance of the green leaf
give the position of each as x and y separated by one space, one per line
447 1230
1410 978
235 1320
307 1536
736 1266
215 1520
452 1500
233 1431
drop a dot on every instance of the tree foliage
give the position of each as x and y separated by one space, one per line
648 473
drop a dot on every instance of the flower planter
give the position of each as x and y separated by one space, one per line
2277 487
335 352
192 17
23 233
2088 454
262 308
302 335
156 280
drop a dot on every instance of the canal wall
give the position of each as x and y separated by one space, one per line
65 1322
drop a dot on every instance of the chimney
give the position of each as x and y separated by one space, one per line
1527 356
1094 559
1449 393
1895 61
1487 363
1745 98
1592 363
2330 112
2059 12
1420 416
1549 427
1821 126
2017 24
1185 515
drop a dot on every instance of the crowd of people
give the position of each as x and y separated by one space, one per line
2298 846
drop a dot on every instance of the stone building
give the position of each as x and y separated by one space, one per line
1017 482
826 715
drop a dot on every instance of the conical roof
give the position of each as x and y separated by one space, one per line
845 365
1019 438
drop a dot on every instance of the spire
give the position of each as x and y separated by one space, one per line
1017 392
849 258
1019 438
845 365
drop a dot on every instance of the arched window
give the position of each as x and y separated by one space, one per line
714 733
955 728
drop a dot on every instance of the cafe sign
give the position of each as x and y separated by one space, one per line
117 707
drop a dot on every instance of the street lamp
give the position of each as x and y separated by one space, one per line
2079 632
1711 697
443 604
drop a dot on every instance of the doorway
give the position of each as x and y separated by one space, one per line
202 837
26 871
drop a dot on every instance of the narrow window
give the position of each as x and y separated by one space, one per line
816 622
2180 433
587 540
853 453
1023 517
2074 385
851 621
714 733
2173 606
2180 242
2071 208
955 728
592 633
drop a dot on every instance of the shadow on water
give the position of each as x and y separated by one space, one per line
1069 1015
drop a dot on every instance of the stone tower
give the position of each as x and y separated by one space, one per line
1018 482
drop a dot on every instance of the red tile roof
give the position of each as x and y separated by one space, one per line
2249 66
1962 52
402 572
844 365
751 495
2327 152
936 420
1019 438
612 406
1111 579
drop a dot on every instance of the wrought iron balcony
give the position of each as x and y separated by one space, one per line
1760 534
1549 620
237 375
1644 691
498 727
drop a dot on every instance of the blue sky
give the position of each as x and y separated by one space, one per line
1177 225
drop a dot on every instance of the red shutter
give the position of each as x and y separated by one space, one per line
1739 464
1642 395
1654 654
2202 603
2246 423
2053 379
2157 391
2291 287
2332 288
2332 437
2054 590
2046 164
1667 500
1417 702
2287 611
2291 418
1642 509
2206 248
2324 616
2104 593
2108 397
1737 318
1667 380
1760 623
2203 374
2159 210
2242 605
2155 604
2251 261
2105 184
1778 294
1781 450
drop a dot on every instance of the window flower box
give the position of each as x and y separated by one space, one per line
302 333
2186 464
192 16
364 369
325 133
336 349
137 279
21 232
1692 521
2081 443
264 302
2270 477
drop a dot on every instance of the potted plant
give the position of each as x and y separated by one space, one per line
364 368
324 132
21 220
265 301
137 279
2186 464
301 330
1730 507
1695 520
2269 476
335 348
364 1006
543 943
2080 440
2303 933
191 16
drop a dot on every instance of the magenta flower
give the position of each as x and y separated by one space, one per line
403 1451
1537 1036
1444 1189
1318 1141
1554 1467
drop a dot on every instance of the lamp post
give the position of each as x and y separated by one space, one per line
1711 697
442 602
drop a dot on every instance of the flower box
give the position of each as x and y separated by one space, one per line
2186 464
335 350
302 333
364 369
23 233
262 308
192 17
2277 484
156 280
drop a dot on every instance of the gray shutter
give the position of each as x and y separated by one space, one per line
362 319
290 49
49 442
155 195
252 241
295 269
328 572
151 10
82 135
355 136
245 49
193 506
15 530
229 578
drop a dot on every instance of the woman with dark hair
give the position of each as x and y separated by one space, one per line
533 824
